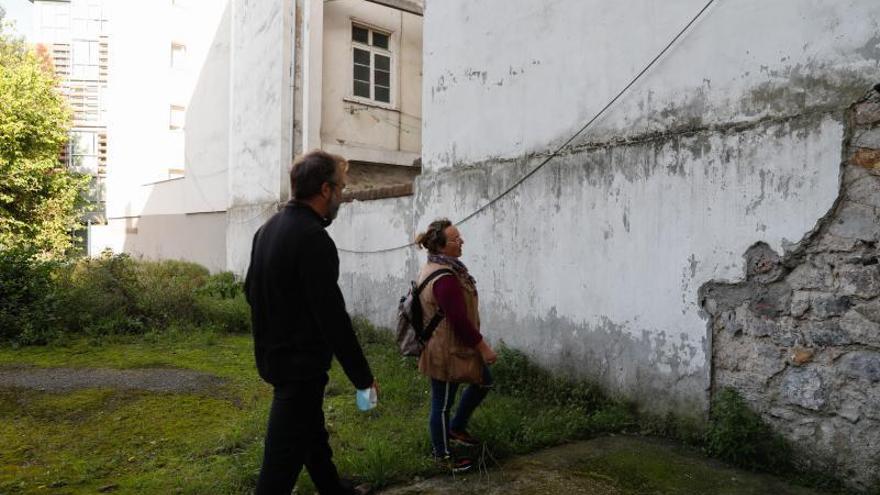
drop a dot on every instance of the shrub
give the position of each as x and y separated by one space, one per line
168 291
115 294
738 435
100 296
224 285
228 314
27 301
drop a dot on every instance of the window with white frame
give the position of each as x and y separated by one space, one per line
371 64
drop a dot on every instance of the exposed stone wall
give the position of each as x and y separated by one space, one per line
800 336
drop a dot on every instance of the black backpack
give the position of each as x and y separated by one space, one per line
412 333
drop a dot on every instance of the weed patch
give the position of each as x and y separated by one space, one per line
49 301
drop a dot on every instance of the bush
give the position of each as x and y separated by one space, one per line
100 296
228 314
168 291
113 294
738 435
224 285
27 302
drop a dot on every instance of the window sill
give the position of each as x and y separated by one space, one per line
370 103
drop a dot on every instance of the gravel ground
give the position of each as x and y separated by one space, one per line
149 379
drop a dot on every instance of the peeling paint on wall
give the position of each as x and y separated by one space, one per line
593 265
800 336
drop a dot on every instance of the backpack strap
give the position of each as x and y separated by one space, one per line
432 276
438 317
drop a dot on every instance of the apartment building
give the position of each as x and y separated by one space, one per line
75 33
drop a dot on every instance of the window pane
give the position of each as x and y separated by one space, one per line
383 94
361 57
362 89
383 62
380 40
359 34
382 78
361 73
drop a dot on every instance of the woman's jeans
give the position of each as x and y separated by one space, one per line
442 400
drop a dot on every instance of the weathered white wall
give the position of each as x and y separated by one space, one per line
143 151
544 68
373 285
260 120
195 237
593 265
383 133
143 88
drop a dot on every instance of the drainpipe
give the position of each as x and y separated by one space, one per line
293 28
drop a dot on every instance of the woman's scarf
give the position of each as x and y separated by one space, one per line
457 266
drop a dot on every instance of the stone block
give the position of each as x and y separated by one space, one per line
865 190
859 328
763 263
800 356
809 276
850 411
772 301
856 222
867 138
827 305
753 325
858 280
867 113
804 387
861 365
800 303
870 310
866 158
826 333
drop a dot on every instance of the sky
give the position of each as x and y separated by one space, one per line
19 12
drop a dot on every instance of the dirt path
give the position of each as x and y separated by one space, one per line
608 466
149 379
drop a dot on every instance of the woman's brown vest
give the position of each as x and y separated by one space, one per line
445 357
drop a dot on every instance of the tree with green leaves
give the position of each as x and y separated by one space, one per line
40 199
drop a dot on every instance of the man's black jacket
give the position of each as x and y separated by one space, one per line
297 310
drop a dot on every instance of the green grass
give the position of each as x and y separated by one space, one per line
135 442
141 442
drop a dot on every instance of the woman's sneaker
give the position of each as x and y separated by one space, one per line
456 464
463 438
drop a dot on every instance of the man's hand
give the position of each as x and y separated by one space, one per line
489 356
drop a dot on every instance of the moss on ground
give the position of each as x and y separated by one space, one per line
119 441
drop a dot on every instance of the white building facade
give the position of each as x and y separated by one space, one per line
207 116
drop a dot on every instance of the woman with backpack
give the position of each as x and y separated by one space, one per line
456 352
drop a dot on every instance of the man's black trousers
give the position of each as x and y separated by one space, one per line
296 437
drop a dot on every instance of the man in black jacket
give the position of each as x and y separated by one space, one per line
299 324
